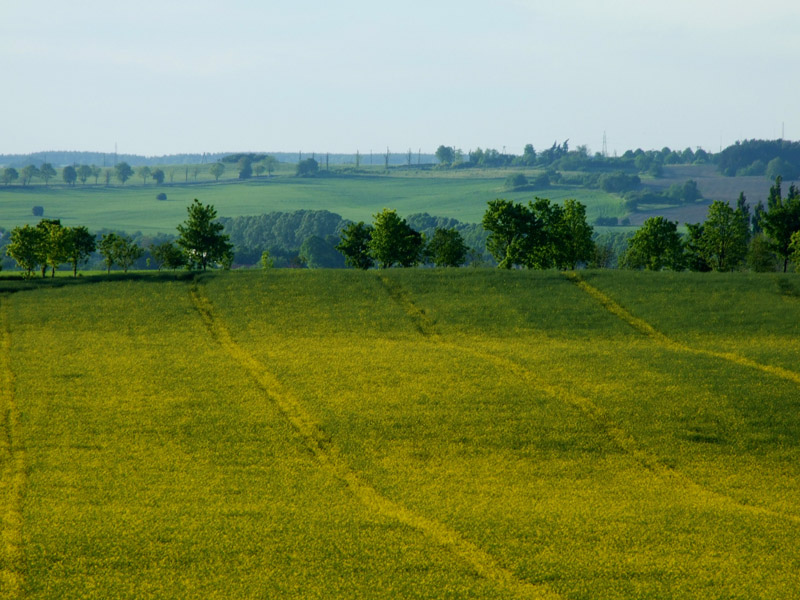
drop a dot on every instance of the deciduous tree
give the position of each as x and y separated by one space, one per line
84 172
47 172
447 248
10 175
201 236
80 245
655 246
28 173
167 255
26 248
724 237
782 219
70 175
123 171
55 241
354 245
512 229
144 173
394 241
217 169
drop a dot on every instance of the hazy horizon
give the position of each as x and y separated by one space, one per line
158 79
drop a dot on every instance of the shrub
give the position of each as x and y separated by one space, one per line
161 196
38 211
515 181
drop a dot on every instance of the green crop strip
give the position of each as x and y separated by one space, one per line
12 472
328 456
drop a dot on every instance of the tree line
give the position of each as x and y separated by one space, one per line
765 239
537 235
48 244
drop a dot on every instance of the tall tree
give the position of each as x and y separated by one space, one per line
575 239
28 173
167 255
47 172
446 155
70 175
447 248
354 245
144 173
126 252
54 244
307 168
724 238
80 245
26 248
216 170
782 219
84 172
394 241
123 172
107 250
158 176
656 245
794 248
10 175
512 229
201 236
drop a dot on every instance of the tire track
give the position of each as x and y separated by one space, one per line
327 454
12 472
644 327
623 440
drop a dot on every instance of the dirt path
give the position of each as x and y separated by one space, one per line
622 439
326 452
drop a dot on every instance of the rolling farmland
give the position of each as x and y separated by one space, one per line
135 207
409 433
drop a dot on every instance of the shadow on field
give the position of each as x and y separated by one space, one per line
11 284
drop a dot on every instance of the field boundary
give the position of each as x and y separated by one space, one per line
323 449
621 438
644 327
12 471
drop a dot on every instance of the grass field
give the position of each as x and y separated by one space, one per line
402 434
134 207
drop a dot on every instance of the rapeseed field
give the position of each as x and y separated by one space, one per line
402 434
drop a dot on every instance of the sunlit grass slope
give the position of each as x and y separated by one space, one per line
135 208
405 434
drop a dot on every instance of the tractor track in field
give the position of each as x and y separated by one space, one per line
624 440
648 330
327 454
12 471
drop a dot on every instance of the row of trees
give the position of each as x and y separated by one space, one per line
541 235
122 172
200 244
390 241
725 240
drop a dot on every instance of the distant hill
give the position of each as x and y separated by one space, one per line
60 158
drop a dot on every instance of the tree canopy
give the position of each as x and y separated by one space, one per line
656 245
201 236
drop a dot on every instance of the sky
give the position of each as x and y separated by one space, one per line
174 76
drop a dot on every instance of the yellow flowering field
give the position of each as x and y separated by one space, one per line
400 434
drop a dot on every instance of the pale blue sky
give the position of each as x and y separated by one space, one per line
173 76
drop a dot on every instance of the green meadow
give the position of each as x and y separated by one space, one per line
402 434
134 207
